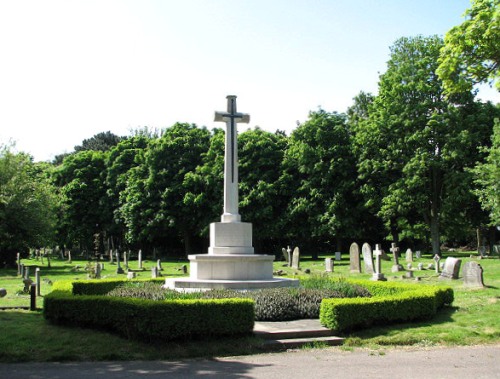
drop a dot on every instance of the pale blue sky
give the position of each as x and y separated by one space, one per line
70 69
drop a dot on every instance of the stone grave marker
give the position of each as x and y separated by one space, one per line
3 292
69 256
296 258
158 264
367 258
328 264
18 260
97 270
338 256
409 255
418 254
396 267
354 258
154 272
436 259
184 269
451 268
473 274
125 259
37 281
496 249
130 275
139 259
285 255
377 275
119 269
289 252
420 266
26 272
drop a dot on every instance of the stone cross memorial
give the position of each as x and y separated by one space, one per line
377 275
396 267
230 262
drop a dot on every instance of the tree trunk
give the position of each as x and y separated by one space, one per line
188 243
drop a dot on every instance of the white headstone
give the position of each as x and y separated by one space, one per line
354 258
296 258
367 258
328 264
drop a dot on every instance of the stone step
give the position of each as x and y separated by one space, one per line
294 343
293 333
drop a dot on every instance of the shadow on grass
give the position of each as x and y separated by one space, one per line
28 337
443 316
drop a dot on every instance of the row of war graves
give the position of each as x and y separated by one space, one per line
472 272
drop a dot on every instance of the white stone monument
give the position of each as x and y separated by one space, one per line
230 262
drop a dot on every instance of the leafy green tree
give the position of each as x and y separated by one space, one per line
261 202
487 177
415 143
129 153
155 208
86 207
471 53
319 173
28 205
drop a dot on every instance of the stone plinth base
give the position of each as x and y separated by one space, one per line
231 267
378 277
188 284
230 238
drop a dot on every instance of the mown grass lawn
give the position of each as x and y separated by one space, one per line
26 336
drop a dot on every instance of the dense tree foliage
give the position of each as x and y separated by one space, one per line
28 205
415 143
471 53
488 178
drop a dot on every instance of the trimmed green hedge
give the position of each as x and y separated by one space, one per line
96 287
149 320
392 302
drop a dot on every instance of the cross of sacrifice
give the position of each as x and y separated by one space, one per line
231 118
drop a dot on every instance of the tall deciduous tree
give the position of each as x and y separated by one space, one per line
487 177
28 205
319 173
415 141
86 208
471 53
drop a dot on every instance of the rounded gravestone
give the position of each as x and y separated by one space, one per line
3 292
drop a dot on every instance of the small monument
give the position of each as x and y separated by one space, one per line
230 262
139 260
367 258
409 255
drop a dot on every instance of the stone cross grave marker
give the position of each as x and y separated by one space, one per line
436 259
119 269
451 268
377 275
328 264
396 267
473 275
367 258
409 255
296 258
354 258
